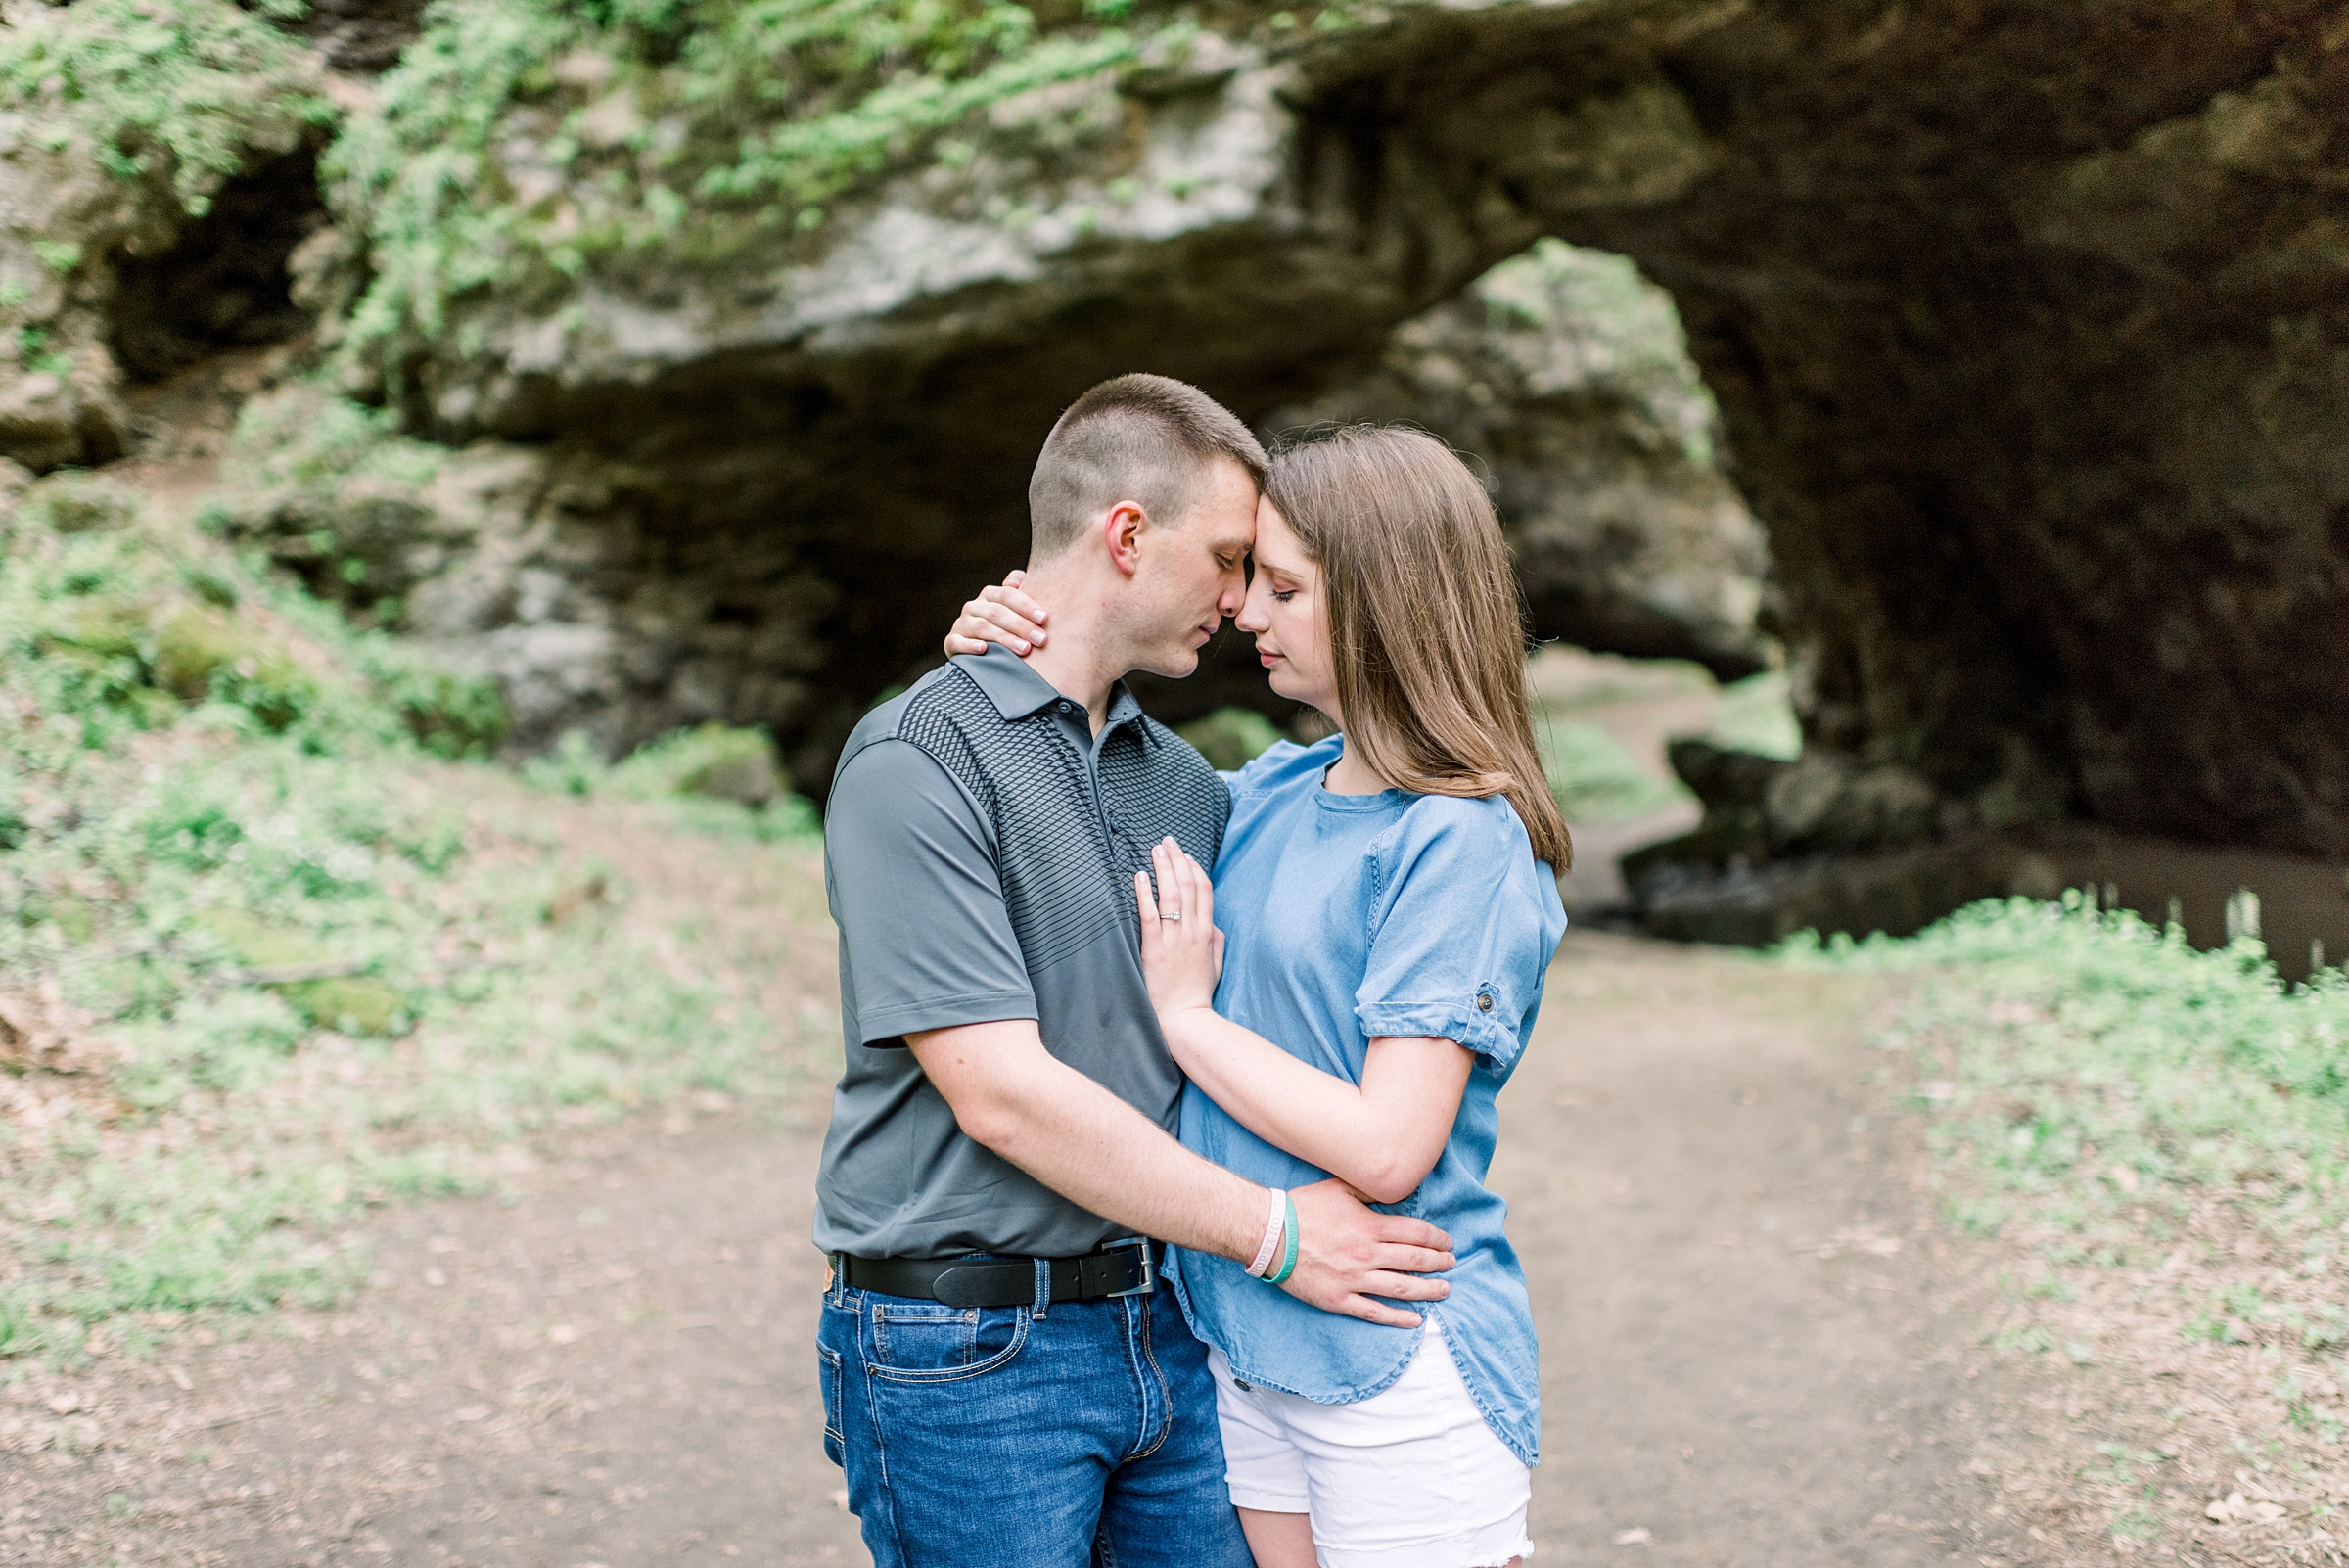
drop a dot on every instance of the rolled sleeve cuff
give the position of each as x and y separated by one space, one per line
1480 1033
943 1012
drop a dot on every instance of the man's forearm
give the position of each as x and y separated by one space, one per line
1084 1144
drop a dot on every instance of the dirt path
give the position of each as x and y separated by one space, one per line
1755 1352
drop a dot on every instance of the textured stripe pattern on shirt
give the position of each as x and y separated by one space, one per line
1067 879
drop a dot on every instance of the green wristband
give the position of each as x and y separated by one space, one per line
1288 1255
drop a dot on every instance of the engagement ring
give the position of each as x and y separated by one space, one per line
1171 914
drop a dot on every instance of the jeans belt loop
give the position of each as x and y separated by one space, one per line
1043 1286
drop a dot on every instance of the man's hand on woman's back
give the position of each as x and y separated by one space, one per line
1014 1097
1349 1252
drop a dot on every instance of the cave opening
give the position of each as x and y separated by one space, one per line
223 283
778 550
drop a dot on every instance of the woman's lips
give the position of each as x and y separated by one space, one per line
1268 660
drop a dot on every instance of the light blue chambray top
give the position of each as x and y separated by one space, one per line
1348 917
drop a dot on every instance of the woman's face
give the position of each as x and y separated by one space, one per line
1289 617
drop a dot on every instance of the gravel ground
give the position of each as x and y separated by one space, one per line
1757 1349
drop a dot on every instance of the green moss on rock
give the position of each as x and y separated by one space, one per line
103 627
79 503
180 89
521 144
716 762
350 1004
202 652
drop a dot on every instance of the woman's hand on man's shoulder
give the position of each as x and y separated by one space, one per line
1000 613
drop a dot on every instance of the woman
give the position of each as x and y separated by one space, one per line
1381 928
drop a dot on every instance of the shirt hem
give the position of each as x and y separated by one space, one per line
1529 1457
944 1012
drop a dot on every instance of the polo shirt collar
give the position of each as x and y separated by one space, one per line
1017 690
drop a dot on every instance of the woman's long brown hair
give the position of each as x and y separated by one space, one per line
1425 622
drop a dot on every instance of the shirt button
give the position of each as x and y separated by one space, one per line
1067 708
1484 1001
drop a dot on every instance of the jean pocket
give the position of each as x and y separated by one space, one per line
827 1377
929 1342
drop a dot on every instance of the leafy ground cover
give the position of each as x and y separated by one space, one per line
2160 1137
279 945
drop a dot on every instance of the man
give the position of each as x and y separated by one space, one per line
1005 1380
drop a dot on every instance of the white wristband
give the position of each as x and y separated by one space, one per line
1274 1228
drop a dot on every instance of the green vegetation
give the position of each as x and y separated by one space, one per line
2084 1066
333 492
267 958
1593 779
175 88
712 779
678 129
1755 715
2168 1131
299 444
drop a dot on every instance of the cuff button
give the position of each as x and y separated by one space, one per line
1484 1001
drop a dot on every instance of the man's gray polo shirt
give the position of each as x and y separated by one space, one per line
978 851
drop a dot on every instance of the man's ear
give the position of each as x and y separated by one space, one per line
1121 530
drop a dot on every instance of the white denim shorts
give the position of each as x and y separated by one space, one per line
1408 1478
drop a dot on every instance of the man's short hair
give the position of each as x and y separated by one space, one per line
1145 438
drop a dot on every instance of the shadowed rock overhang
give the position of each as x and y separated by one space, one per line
2028 325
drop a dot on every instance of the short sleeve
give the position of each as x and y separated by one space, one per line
925 938
1460 933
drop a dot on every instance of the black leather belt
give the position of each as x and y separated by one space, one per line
1122 1268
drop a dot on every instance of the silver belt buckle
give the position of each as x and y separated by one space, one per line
1149 1266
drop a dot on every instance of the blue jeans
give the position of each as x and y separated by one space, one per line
1009 1437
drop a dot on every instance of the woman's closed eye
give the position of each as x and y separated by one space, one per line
1284 595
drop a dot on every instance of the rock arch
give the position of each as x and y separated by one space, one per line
2029 324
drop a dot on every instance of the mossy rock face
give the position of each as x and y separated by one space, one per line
106 637
79 503
737 766
129 119
202 652
716 762
107 628
350 1004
